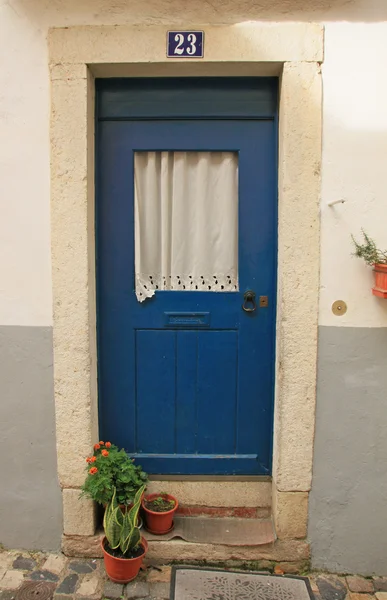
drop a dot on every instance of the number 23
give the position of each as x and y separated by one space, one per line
191 49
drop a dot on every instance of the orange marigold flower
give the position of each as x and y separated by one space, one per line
105 453
93 459
96 446
88 459
108 444
101 443
93 470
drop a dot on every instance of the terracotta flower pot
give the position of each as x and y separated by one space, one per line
159 522
123 570
380 288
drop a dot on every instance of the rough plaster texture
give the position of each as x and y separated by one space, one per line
30 499
290 511
74 348
347 508
115 12
78 514
258 42
217 493
298 269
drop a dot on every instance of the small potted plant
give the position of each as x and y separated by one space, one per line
159 511
123 547
110 469
376 258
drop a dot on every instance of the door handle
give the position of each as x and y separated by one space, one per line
249 298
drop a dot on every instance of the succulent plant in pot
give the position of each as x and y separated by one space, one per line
123 547
377 259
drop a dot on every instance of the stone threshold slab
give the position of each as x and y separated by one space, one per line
220 530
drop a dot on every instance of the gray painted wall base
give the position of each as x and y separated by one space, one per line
30 498
348 502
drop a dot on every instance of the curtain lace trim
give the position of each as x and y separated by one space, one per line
147 285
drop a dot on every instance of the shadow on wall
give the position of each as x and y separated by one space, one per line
115 12
348 525
30 498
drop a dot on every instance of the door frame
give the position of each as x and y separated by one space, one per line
294 53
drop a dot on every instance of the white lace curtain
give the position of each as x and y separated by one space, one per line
186 221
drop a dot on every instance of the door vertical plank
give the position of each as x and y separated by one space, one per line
155 391
217 390
186 380
114 260
257 272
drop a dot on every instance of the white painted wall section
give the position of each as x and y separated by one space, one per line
25 265
354 168
354 137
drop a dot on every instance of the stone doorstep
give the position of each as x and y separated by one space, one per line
282 551
219 511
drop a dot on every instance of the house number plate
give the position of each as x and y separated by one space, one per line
185 44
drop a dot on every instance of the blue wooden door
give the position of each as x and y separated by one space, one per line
186 378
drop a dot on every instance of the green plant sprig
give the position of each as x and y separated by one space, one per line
162 502
368 251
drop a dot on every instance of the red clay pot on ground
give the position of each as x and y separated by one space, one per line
380 288
123 570
159 522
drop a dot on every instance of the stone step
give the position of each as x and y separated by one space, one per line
294 552
219 530
242 497
246 512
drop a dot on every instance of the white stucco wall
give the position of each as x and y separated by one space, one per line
354 138
354 167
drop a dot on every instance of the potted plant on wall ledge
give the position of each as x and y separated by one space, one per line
377 259
123 547
159 511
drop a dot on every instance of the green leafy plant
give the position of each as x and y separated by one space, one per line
160 504
109 470
369 252
120 526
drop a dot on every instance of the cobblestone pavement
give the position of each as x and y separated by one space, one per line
38 576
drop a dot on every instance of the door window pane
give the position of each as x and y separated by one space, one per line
186 221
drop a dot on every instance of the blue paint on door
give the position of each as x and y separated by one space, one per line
186 379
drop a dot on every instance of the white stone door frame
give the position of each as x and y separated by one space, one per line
292 51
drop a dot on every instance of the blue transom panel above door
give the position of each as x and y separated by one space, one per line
186 238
